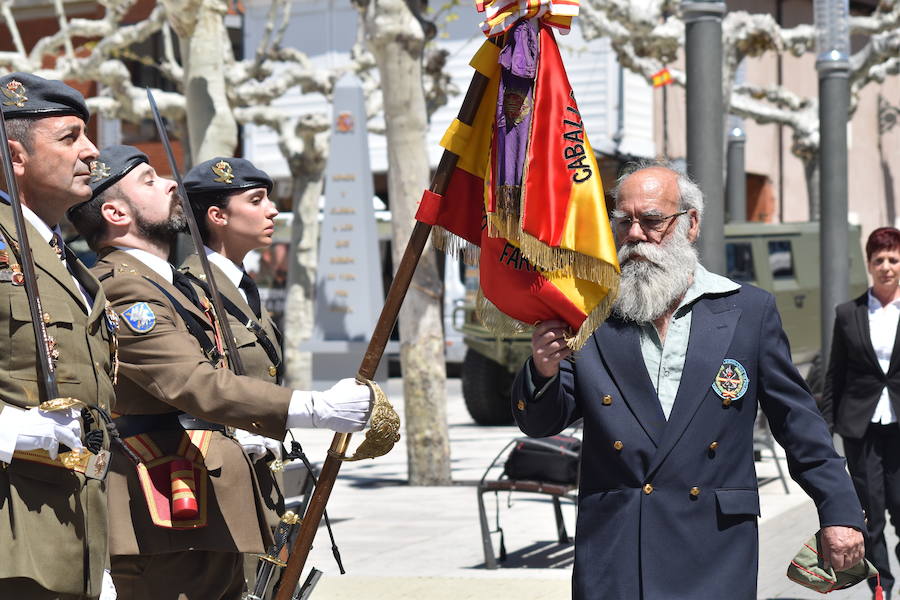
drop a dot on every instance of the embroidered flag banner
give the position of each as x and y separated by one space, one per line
525 200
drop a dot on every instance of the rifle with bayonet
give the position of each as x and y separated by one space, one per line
93 440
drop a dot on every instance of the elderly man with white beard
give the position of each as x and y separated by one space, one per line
668 389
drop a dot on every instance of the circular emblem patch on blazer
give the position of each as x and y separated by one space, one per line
731 381
139 318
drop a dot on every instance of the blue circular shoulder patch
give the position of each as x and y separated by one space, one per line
139 317
731 381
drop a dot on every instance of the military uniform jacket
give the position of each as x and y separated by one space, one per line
257 363
165 370
53 520
668 509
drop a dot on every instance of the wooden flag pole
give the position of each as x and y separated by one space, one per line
383 328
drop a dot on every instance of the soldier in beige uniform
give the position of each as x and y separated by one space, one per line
180 521
230 199
233 212
53 531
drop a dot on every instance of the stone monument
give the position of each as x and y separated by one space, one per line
349 293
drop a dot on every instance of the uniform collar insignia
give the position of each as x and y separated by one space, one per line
99 170
139 317
15 91
224 172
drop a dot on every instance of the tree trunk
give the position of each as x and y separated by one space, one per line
397 41
211 125
301 283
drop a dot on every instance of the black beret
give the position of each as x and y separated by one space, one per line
113 163
29 96
225 175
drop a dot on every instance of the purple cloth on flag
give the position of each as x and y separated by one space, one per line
515 105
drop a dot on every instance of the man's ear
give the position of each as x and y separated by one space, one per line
217 216
116 212
694 231
19 157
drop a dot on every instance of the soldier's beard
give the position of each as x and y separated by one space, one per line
163 232
651 285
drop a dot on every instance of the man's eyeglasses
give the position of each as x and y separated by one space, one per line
647 222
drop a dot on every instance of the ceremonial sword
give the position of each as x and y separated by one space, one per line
234 359
272 558
93 440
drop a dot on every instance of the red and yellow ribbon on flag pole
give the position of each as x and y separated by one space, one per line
501 15
525 200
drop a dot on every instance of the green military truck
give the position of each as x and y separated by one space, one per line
781 258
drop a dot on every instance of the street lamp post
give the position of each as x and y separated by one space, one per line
705 121
736 180
833 66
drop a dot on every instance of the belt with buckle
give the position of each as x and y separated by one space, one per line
129 425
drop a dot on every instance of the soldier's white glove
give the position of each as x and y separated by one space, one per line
108 589
40 430
344 408
256 446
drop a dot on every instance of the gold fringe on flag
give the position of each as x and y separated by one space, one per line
500 324
556 259
495 320
450 243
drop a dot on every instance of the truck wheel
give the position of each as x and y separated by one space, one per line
485 388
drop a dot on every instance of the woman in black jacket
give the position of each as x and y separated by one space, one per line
862 393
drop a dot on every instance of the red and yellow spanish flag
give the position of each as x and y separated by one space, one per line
545 250
562 213
661 77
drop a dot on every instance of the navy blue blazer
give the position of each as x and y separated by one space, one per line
668 509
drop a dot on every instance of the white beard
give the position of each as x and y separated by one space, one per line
649 287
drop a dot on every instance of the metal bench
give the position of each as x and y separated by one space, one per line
555 491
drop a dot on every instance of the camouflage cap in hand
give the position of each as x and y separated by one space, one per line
808 569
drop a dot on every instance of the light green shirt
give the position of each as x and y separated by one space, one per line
665 361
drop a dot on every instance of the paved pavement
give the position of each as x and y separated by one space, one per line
402 542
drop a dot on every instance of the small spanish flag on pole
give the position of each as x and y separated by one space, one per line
661 77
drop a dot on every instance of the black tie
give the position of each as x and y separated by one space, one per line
252 292
183 285
56 242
